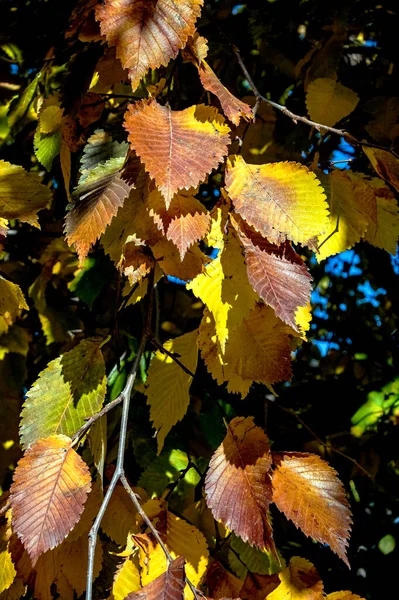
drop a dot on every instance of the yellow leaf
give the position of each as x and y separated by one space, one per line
167 386
328 101
50 118
12 302
347 193
7 569
383 225
168 257
385 164
15 592
225 290
280 200
257 351
344 595
127 579
22 194
16 340
299 581
120 517
303 318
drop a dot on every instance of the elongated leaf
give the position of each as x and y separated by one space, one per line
22 194
385 164
238 485
50 488
280 200
383 214
344 595
167 386
328 101
147 34
69 390
126 581
7 568
168 586
307 490
12 303
178 148
299 581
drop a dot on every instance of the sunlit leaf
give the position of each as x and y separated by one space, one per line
7 569
168 586
344 595
50 488
299 581
120 517
168 385
12 303
238 485
383 225
178 148
328 101
127 580
307 490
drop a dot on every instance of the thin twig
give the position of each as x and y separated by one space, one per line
95 417
295 118
171 355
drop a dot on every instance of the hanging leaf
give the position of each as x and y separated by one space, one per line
383 216
126 580
307 490
7 569
344 595
168 257
22 194
147 35
120 517
258 350
384 163
168 385
12 303
299 581
50 488
70 389
169 142
328 101
47 139
168 586
221 583
238 485
280 200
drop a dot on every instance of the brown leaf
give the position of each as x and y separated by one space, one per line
178 148
307 490
299 581
385 164
257 587
50 488
238 485
147 34
221 583
168 586
344 595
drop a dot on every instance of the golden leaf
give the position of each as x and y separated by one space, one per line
328 101
384 163
299 581
12 303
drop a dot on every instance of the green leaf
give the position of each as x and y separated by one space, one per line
243 557
69 390
164 470
47 147
19 109
91 279
387 544
379 403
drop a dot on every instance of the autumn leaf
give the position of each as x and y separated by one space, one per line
258 350
328 101
258 138
66 393
99 198
147 35
22 194
7 569
344 595
47 139
184 223
100 149
384 163
307 490
120 517
168 586
169 142
277 274
299 581
168 257
50 488
280 200
221 583
126 580
238 485
244 558
12 303
383 216
168 385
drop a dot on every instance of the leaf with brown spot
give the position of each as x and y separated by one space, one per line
299 581
385 164
238 486
168 586
178 148
147 34
307 490
50 488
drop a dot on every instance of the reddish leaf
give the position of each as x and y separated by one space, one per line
147 34
307 490
221 583
238 486
178 148
276 273
50 488
168 586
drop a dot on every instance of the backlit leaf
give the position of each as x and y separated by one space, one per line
238 485
383 216
299 581
328 101
147 35
344 595
7 569
178 148
384 163
280 200
168 586
258 350
12 303
168 257
69 390
167 386
22 194
120 517
127 580
50 488
307 490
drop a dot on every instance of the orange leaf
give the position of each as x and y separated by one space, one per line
50 488
299 581
178 148
168 258
385 164
232 107
185 222
168 586
238 486
307 490
344 595
148 34
277 274
221 583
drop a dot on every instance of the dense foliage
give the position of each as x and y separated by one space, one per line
199 389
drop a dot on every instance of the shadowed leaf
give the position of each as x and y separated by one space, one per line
328 101
168 586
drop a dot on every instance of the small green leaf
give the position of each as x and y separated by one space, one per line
387 544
